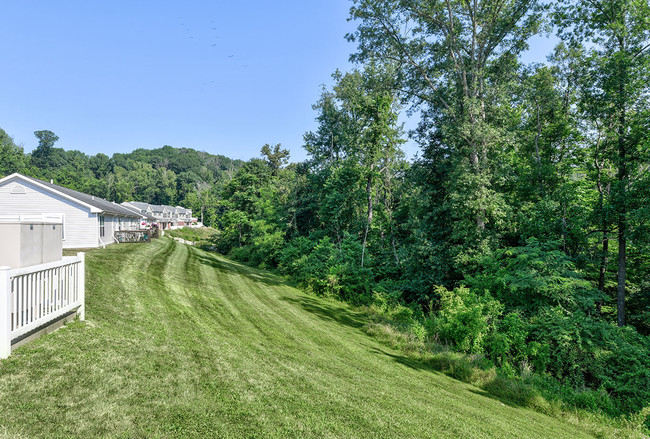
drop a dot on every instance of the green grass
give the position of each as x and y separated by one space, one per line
184 343
198 235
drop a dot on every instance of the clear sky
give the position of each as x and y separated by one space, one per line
217 76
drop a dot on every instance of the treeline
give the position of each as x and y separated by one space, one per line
521 234
166 175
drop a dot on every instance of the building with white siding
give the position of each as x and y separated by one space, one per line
166 216
88 221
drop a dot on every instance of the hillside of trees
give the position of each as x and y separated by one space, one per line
167 175
520 235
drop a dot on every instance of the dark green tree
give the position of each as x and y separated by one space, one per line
43 155
455 61
12 157
614 95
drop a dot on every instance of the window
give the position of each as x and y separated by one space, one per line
101 226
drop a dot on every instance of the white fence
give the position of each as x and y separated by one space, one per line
31 297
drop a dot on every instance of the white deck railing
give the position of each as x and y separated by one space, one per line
31 297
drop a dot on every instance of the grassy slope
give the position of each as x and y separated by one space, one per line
183 343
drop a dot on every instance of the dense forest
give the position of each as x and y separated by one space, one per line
520 235
171 176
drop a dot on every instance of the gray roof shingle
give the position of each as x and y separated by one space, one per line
99 203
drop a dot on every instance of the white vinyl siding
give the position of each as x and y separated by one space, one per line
80 225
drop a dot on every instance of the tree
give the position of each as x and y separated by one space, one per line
41 156
356 147
614 96
12 158
275 157
455 61
100 164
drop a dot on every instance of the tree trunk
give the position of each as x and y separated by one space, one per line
604 259
368 219
622 181
538 156
480 215
622 226
603 269
620 302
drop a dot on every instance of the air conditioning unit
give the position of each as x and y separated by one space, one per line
27 240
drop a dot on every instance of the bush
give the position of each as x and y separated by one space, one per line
533 277
266 244
507 345
327 269
587 352
464 318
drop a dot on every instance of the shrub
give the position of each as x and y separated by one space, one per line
266 244
327 269
507 345
533 277
464 318
587 352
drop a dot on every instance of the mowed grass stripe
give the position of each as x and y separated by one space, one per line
197 376
255 299
184 343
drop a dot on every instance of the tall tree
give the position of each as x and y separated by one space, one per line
453 58
42 155
615 95
357 145
276 157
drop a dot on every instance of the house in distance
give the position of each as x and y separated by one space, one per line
166 216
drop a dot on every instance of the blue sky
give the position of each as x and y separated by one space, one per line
221 77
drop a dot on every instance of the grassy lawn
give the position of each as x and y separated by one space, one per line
183 343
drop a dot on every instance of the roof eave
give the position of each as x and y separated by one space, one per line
92 208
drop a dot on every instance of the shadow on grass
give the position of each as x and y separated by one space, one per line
497 389
502 400
406 361
253 273
328 312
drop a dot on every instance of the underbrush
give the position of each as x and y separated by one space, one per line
396 326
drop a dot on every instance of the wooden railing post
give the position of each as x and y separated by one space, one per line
82 285
5 313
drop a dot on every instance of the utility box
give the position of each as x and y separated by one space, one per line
27 240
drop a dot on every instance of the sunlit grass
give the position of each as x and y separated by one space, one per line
183 343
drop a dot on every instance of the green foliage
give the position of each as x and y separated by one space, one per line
12 158
276 157
266 243
534 276
327 269
594 407
507 345
585 351
464 319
